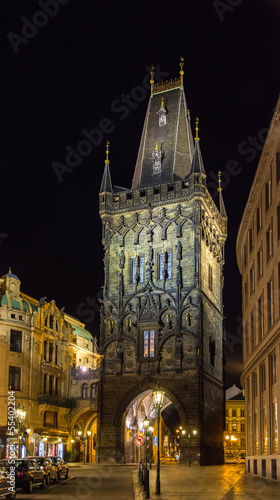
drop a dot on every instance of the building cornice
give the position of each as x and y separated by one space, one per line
265 159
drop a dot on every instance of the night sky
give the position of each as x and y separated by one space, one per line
70 74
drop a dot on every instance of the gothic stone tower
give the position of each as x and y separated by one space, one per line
162 310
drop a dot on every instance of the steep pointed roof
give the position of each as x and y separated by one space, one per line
106 184
221 200
222 205
197 166
174 138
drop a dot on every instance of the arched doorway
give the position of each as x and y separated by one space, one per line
139 409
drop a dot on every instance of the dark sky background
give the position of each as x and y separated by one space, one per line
66 77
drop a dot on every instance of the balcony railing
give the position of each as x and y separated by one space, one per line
88 374
47 399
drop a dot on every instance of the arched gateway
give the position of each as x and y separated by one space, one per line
162 309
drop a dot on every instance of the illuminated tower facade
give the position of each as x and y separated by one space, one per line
162 308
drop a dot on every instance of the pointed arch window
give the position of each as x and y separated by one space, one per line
137 269
149 343
165 266
93 391
85 391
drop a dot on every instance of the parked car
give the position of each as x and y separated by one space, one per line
62 467
28 474
47 465
241 458
4 485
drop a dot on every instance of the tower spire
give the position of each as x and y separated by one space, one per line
106 184
221 200
196 129
182 71
107 152
152 78
219 181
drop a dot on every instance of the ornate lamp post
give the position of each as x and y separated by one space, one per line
88 436
158 402
82 438
21 414
151 431
194 433
146 424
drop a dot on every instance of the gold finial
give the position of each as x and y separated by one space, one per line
107 152
162 102
196 129
152 78
156 147
10 270
219 181
181 64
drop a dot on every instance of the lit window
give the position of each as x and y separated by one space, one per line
149 343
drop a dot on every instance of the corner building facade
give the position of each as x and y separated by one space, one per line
258 260
162 310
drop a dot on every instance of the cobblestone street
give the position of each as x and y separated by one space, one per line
225 482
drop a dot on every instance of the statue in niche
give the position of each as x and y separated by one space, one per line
42 301
122 259
149 234
150 255
178 348
120 351
179 250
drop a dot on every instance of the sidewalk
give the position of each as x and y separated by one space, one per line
224 482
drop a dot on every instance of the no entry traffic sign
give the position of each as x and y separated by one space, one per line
139 440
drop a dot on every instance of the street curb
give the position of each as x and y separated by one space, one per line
137 489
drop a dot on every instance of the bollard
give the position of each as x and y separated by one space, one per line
147 483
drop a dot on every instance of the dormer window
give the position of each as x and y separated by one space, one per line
157 160
162 114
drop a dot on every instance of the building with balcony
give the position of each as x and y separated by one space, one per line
48 361
234 435
258 259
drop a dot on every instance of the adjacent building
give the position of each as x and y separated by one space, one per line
234 435
258 259
162 311
51 363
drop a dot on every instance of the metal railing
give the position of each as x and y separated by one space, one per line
47 399
143 474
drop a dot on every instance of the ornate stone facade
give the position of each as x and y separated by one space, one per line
51 363
162 309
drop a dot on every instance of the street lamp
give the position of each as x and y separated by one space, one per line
21 414
194 433
88 436
151 431
158 402
82 439
146 424
28 441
